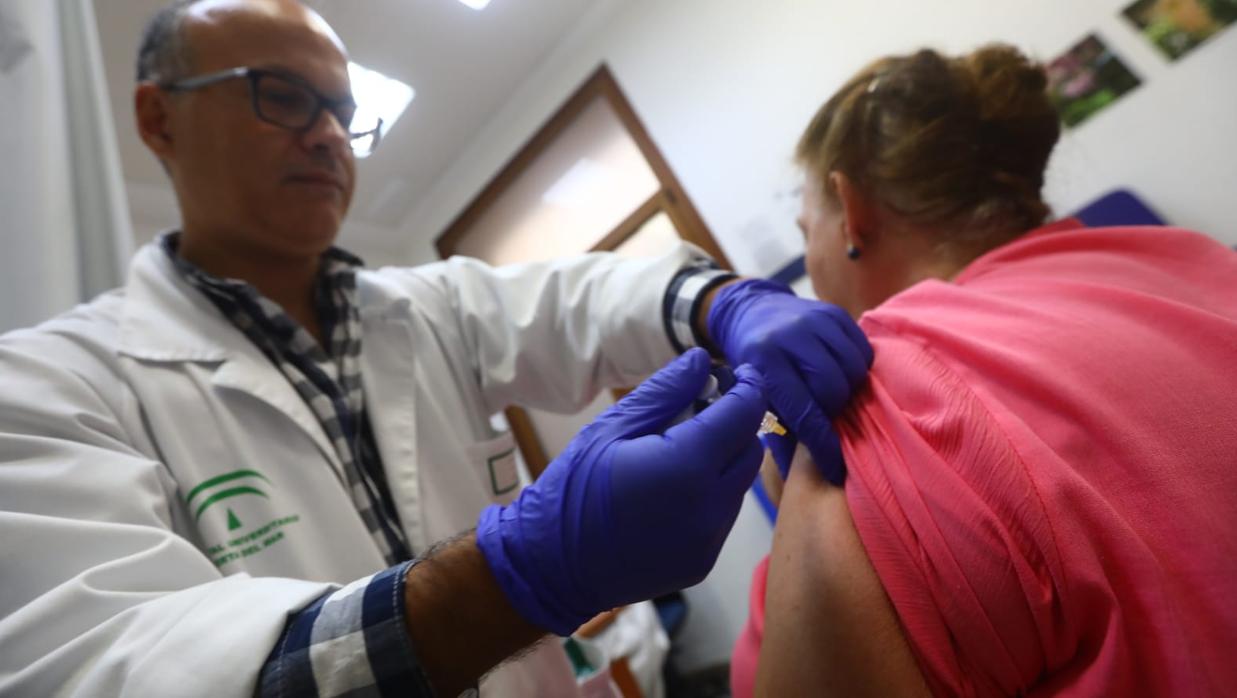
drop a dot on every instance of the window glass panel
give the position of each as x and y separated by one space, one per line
653 238
581 186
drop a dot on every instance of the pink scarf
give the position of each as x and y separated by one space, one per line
1043 469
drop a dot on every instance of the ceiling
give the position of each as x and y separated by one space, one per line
463 64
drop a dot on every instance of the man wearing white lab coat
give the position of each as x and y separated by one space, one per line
193 465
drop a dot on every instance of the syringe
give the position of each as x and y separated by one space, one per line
720 378
770 425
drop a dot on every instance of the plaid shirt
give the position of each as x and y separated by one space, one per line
352 641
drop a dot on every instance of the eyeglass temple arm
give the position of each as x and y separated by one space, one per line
203 80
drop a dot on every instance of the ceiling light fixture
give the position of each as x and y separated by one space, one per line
476 4
377 97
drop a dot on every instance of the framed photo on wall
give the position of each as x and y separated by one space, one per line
1177 27
1086 79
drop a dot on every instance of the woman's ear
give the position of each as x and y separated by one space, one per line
857 214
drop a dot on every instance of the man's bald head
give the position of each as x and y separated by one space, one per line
166 53
163 55
246 183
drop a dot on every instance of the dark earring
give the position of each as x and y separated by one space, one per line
852 252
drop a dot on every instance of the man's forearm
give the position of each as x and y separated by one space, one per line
460 622
700 323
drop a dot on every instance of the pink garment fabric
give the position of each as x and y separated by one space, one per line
1043 469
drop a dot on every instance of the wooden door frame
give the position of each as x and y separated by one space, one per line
670 198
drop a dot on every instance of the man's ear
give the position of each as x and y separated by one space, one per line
858 216
154 120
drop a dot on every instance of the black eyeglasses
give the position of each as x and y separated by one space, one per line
289 102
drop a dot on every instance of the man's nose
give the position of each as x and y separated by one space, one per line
326 132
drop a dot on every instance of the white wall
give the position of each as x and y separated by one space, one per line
725 87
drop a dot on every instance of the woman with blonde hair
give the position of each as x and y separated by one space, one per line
1041 488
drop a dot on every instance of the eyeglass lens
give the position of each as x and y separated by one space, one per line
291 105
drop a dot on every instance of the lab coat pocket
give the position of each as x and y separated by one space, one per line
498 466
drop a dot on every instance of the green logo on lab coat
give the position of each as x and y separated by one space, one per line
226 486
229 486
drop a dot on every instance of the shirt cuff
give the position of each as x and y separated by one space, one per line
349 642
682 302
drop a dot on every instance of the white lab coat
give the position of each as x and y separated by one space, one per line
114 413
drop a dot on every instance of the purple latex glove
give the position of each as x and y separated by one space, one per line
812 355
627 513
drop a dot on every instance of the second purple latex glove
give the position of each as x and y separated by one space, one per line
812 355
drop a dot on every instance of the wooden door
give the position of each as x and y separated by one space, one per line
590 179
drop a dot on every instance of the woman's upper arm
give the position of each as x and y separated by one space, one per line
829 626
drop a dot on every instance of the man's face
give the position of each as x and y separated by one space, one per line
247 184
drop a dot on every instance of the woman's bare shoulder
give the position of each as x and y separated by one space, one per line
829 627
